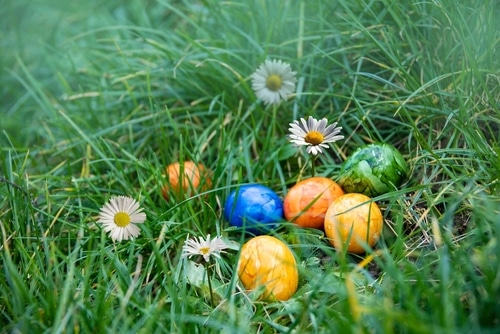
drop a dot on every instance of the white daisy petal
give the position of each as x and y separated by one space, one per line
273 81
297 132
204 247
119 216
314 134
322 126
311 124
116 235
138 218
305 125
133 230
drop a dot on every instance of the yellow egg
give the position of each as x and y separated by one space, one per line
356 218
267 261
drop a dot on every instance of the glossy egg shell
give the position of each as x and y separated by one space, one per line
267 261
307 202
186 179
373 170
254 207
356 213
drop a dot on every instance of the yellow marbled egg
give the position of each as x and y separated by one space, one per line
267 261
353 219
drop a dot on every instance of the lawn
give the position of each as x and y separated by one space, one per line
99 97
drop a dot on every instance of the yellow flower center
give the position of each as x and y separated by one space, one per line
122 219
274 82
314 138
204 250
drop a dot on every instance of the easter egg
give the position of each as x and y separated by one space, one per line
256 208
267 262
355 220
306 202
185 179
373 170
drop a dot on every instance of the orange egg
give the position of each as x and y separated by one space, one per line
266 261
186 179
307 201
353 219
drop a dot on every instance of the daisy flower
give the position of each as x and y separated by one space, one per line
273 81
314 134
204 247
118 217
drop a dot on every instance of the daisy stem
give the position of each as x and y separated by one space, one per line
209 273
275 113
313 160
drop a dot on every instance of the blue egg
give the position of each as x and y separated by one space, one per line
255 208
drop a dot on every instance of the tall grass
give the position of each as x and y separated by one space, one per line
99 97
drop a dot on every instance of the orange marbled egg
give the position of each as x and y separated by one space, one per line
186 179
306 202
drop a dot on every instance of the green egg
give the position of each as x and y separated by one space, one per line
373 170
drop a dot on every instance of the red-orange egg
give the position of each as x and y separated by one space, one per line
306 202
185 180
267 262
353 219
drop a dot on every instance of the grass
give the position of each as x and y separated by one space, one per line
99 97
